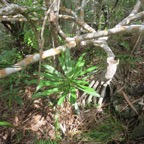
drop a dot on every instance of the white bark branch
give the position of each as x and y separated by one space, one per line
109 32
12 9
30 60
133 13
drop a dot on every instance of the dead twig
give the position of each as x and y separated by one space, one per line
129 102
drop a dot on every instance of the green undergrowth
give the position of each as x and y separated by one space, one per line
108 130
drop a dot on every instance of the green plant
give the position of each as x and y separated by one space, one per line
11 88
129 59
126 45
12 95
108 130
29 37
8 57
66 83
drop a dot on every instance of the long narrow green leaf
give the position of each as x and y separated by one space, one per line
88 90
66 62
38 95
34 81
79 66
68 58
51 77
81 61
83 82
51 91
45 93
61 100
44 83
72 95
69 62
52 70
75 72
6 124
89 74
62 62
88 70
63 96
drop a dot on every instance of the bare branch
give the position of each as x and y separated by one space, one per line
69 11
12 9
105 47
13 18
127 19
112 67
4 3
41 42
122 29
31 59
80 22
131 18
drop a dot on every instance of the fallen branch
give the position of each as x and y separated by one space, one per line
30 60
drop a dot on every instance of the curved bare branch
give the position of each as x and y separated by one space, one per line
12 9
109 32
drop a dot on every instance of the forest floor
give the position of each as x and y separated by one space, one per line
121 119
